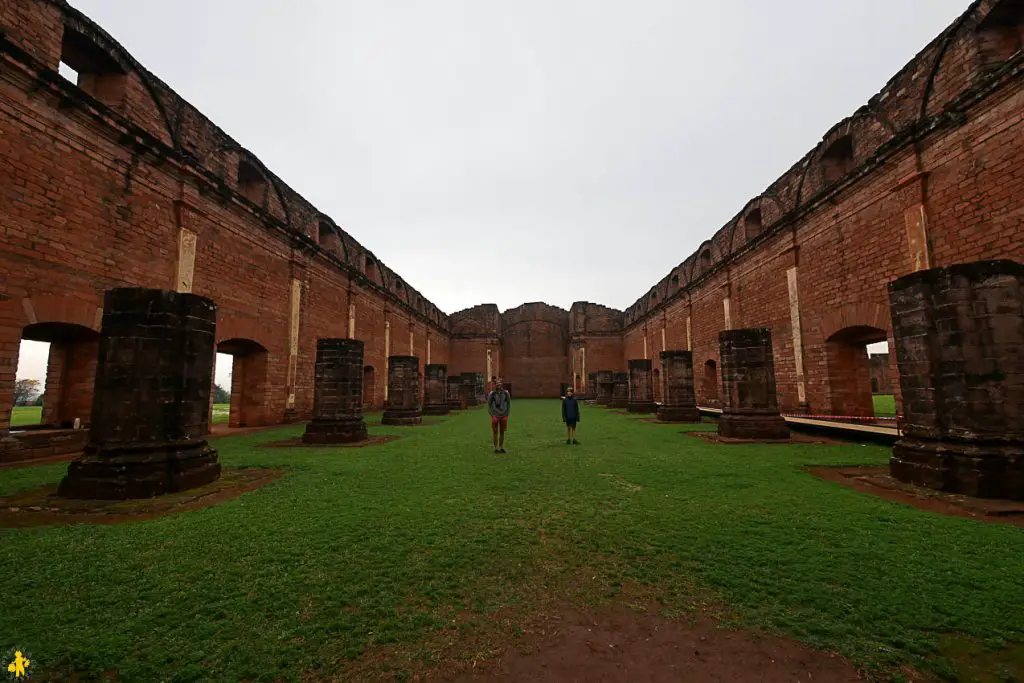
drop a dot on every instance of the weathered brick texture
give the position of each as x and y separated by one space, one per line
960 349
117 181
679 402
605 387
435 395
337 393
156 367
641 391
403 406
620 390
750 406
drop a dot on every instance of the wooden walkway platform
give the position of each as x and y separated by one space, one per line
835 428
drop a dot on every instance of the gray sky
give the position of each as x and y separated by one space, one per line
582 148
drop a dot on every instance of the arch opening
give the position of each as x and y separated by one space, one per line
1001 32
246 383
752 224
251 183
56 375
92 69
837 160
709 384
328 239
850 370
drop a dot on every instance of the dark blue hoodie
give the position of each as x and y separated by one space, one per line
570 409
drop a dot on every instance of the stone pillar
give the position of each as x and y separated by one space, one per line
467 389
435 401
480 387
679 400
620 390
959 335
337 393
403 404
151 398
452 392
641 389
750 406
605 384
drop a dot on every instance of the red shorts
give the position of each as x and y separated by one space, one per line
495 421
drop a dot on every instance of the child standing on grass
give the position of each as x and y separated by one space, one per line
570 415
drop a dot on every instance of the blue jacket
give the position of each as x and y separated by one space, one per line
570 409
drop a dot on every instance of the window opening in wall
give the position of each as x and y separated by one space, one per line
752 224
251 182
1001 33
705 259
675 280
97 73
368 264
838 159
67 72
328 239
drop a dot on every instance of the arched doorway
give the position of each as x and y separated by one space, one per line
849 370
67 390
709 383
369 375
249 362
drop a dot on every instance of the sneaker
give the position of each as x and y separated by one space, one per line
502 450
575 442
568 441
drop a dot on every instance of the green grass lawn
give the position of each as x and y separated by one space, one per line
885 405
26 415
31 415
221 412
355 549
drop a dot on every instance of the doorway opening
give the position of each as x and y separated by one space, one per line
854 387
709 384
247 383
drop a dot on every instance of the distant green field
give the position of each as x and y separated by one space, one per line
31 415
26 415
885 405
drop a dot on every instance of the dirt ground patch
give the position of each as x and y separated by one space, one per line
299 443
41 506
621 644
876 481
794 438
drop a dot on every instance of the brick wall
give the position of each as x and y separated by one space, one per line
927 174
104 180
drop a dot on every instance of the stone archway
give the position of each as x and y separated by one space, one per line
849 370
70 372
249 390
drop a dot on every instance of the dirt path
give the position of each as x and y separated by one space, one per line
619 644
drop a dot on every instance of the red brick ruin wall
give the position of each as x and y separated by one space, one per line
121 182
118 181
929 173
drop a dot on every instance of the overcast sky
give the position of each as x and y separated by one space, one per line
535 150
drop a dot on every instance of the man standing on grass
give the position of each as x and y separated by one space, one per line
499 405
570 415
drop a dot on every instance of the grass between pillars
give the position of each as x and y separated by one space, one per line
403 547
